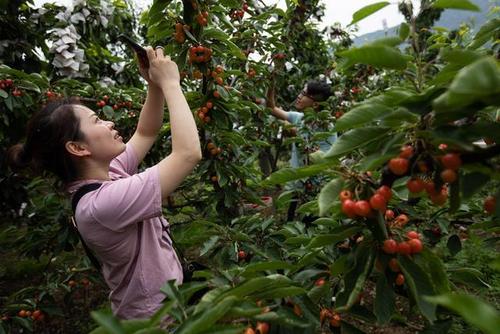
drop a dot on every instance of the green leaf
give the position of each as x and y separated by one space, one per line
3 94
367 11
456 4
108 112
435 267
108 321
486 32
291 174
329 195
360 115
472 183
404 31
262 266
342 232
385 301
203 321
474 311
356 138
377 56
214 33
420 285
469 277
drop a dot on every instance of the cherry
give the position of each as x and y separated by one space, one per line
362 208
449 175
389 214
412 235
415 185
398 166
349 208
242 255
390 246
415 246
394 265
345 194
335 320
490 204
378 202
386 192
451 161
320 282
404 248
406 152
400 279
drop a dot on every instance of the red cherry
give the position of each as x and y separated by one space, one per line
320 282
378 202
406 152
413 235
415 185
386 192
415 246
451 161
400 279
345 194
363 208
398 166
394 265
449 176
389 214
242 255
390 246
401 220
490 204
349 208
404 248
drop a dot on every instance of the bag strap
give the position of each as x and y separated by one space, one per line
74 202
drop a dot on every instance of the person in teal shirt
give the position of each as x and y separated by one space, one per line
311 95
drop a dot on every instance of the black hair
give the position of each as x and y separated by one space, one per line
47 133
319 90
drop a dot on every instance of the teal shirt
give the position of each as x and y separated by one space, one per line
296 160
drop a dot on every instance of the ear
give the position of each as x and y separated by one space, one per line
315 105
77 149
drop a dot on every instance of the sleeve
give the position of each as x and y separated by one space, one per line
127 161
120 203
294 117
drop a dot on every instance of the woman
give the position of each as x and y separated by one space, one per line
122 220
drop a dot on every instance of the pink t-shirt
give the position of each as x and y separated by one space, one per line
122 223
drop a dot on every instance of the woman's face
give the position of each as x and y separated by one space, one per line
303 100
100 137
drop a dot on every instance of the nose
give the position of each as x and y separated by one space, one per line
110 124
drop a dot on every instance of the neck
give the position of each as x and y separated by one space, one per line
95 170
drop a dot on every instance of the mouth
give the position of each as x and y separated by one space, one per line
117 136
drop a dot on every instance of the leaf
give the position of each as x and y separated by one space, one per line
435 267
261 266
472 183
474 311
356 138
454 245
385 300
367 11
358 116
291 174
214 33
3 94
456 4
331 239
485 33
108 322
404 31
468 276
329 194
420 285
377 56
203 321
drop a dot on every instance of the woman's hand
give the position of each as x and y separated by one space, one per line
162 70
143 71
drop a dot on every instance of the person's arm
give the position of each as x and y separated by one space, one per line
186 148
275 111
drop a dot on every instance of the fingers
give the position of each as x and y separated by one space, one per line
159 52
151 53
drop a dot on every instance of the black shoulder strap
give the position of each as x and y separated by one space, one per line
74 202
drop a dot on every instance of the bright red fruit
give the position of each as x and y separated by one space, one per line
490 204
386 192
406 152
451 161
390 246
362 208
389 214
449 175
415 185
345 194
413 235
378 202
349 208
398 166
404 248
394 265
400 279
415 246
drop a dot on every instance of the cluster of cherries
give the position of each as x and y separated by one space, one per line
36 315
239 13
328 315
105 100
213 149
202 18
52 95
199 54
180 35
203 112
9 83
260 328
364 208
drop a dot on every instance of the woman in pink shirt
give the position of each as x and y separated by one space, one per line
121 221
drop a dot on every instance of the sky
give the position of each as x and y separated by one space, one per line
336 11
